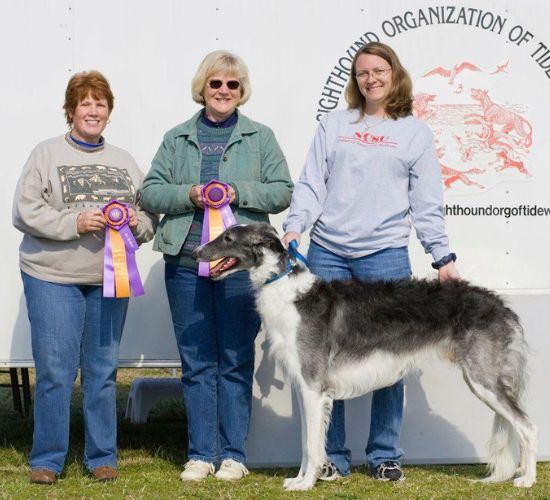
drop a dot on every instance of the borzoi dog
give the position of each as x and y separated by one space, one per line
342 339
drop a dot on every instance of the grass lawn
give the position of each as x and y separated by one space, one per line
151 457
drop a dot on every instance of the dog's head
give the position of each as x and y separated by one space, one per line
243 247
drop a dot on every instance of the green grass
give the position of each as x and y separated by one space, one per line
151 457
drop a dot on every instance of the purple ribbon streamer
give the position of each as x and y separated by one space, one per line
204 267
131 246
228 220
108 268
133 274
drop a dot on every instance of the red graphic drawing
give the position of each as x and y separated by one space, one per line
495 114
452 175
452 73
421 106
501 68
508 162
486 141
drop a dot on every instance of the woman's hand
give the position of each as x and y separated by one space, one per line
90 221
232 194
449 272
195 195
133 222
288 237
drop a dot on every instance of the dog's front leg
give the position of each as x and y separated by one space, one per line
303 426
313 454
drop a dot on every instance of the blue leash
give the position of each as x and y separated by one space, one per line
293 255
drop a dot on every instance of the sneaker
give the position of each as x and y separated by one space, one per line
329 472
231 470
388 471
195 470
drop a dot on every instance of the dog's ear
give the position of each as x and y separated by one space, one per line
267 237
268 228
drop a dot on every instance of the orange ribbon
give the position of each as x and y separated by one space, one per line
122 282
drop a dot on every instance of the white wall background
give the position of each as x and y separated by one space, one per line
150 51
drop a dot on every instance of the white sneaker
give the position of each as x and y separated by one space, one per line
230 470
195 470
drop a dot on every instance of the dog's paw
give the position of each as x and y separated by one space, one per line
297 484
524 482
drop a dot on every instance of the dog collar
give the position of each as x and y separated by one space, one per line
293 254
286 272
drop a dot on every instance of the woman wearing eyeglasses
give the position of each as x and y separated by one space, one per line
371 173
214 321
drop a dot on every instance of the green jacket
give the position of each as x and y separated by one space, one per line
253 164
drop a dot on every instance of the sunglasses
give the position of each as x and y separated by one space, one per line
231 84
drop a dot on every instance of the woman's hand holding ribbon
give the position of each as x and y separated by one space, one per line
133 222
90 221
195 195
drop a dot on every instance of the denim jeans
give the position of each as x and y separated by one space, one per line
215 323
387 403
72 326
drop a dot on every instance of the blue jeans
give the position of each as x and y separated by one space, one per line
387 403
215 323
72 326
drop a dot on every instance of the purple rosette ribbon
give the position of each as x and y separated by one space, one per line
120 271
217 216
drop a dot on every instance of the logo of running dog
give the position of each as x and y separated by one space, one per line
510 163
331 347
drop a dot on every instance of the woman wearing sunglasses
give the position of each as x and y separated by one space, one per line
214 321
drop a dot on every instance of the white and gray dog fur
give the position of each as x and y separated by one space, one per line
342 339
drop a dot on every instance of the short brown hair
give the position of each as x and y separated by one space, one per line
399 101
220 61
83 84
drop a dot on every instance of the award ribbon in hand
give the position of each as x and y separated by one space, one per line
217 216
120 272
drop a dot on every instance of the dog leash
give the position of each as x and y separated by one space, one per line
293 254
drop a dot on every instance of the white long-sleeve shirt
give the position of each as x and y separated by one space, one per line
362 187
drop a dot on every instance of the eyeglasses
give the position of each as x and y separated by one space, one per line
231 84
375 72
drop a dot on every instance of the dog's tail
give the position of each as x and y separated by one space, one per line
503 454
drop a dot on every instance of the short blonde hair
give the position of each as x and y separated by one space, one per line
398 103
220 61
83 84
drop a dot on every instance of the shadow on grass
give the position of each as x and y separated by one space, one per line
163 436
465 471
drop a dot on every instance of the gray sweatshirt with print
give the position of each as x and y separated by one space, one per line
362 187
59 181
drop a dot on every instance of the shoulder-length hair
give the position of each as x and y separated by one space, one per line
226 63
399 102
